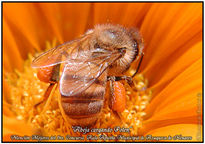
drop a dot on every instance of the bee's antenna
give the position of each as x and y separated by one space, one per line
138 67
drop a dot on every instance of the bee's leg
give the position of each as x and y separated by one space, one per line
46 94
111 79
138 67
55 74
128 79
53 80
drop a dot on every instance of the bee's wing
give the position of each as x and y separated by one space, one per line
57 55
79 75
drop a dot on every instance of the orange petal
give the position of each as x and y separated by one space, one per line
178 29
68 20
6 99
182 93
23 21
15 127
7 109
176 64
179 102
134 14
11 55
77 20
128 14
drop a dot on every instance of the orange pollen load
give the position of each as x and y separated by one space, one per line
45 74
119 100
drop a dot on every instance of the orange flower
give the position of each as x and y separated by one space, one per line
172 62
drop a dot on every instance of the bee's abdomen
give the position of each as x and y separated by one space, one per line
81 108
85 107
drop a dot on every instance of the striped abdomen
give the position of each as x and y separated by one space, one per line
85 107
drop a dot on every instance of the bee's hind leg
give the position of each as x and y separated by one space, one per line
46 94
111 100
53 80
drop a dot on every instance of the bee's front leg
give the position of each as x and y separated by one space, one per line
128 79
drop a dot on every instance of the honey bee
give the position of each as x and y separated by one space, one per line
101 55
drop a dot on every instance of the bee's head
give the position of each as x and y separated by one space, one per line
115 38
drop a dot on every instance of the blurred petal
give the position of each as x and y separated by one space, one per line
15 127
131 14
187 96
178 64
193 72
174 105
6 99
22 19
11 55
68 20
179 27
